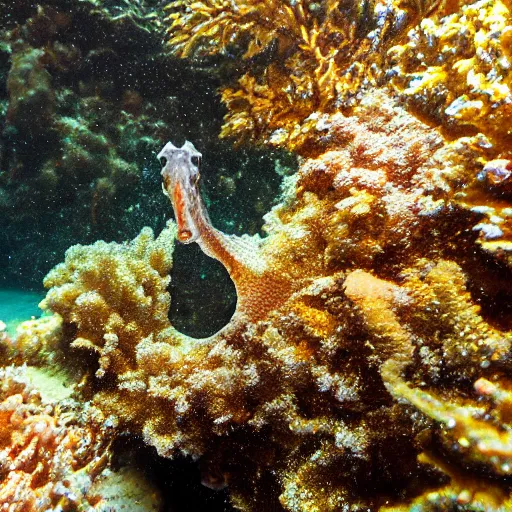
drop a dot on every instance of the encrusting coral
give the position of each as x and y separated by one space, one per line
55 454
374 382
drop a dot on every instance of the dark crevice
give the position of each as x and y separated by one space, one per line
178 480
203 297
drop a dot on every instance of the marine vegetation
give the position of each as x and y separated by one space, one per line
372 380
455 70
447 59
297 57
367 366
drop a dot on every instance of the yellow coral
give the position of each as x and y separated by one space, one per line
119 296
316 56
453 66
368 364
456 69
36 341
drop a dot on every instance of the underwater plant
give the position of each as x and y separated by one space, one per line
294 58
455 70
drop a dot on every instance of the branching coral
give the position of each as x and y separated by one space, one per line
367 366
55 453
310 58
307 56
475 434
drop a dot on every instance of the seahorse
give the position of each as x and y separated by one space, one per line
259 285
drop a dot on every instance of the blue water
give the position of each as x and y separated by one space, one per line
17 306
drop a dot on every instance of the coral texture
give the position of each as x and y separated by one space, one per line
451 68
375 382
367 365
36 342
301 57
455 69
48 461
297 56
112 316
55 454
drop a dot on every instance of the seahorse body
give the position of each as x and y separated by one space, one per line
259 286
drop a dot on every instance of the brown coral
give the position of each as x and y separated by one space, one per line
368 364
338 396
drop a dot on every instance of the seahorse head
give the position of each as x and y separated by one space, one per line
180 173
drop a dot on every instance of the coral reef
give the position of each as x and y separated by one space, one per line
367 364
490 196
139 275
309 64
298 58
304 56
47 460
36 342
455 70
449 61
374 381
55 454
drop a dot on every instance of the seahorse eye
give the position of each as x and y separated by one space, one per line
163 161
195 160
